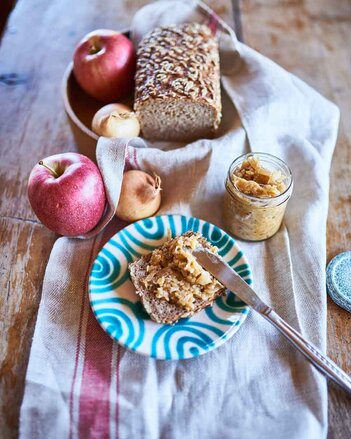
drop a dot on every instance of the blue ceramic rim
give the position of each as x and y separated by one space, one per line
332 289
216 342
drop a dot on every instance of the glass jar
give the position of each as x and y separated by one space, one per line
250 217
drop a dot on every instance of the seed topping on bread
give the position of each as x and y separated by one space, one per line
178 62
177 83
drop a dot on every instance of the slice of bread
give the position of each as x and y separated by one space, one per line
160 309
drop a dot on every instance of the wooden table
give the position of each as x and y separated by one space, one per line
310 38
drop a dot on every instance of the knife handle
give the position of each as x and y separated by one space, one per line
311 352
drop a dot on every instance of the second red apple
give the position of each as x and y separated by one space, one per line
104 65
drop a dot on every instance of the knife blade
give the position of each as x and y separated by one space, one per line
215 265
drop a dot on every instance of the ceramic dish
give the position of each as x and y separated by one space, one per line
120 313
339 280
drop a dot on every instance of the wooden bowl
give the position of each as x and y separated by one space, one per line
80 109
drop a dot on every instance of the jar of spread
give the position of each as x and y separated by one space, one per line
258 187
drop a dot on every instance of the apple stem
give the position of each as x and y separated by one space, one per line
94 49
53 172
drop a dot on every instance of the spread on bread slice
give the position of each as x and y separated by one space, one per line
170 281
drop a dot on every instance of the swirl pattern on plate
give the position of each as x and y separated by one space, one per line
118 310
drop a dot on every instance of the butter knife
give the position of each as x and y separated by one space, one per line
230 279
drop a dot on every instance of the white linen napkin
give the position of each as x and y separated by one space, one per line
81 384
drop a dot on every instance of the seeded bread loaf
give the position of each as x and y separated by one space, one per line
177 83
178 277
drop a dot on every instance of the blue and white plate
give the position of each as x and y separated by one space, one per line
120 312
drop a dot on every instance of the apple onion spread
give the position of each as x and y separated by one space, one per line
251 178
256 196
174 274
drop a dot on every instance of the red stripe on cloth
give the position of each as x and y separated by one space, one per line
213 23
135 158
211 19
84 296
127 164
96 375
94 402
76 366
95 388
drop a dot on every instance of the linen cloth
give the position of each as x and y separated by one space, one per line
81 384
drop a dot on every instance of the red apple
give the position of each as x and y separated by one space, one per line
104 65
67 193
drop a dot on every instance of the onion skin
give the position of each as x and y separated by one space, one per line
140 196
116 120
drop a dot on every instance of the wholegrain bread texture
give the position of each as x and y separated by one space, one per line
159 309
177 83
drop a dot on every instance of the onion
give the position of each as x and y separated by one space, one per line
140 195
116 120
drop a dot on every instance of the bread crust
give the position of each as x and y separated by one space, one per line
178 63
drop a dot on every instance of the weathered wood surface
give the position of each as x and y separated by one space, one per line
310 38
36 48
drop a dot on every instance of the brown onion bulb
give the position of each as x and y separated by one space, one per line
140 195
116 120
